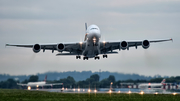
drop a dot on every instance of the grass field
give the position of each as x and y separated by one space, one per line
25 95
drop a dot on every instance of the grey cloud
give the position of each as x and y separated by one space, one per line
45 21
63 10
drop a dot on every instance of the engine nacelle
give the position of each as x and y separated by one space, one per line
36 48
145 44
124 45
60 47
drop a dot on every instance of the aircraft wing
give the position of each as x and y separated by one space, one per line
110 46
74 48
76 54
39 84
51 84
21 84
57 83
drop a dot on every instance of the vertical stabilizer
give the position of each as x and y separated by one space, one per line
86 26
163 81
85 32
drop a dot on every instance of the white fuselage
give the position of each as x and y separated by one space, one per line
92 47
36 83
150 85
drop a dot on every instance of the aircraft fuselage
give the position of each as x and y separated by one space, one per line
92 47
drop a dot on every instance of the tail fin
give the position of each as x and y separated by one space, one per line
85 32
163 81
45 78
86 26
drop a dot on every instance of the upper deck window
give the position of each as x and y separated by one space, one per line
94 28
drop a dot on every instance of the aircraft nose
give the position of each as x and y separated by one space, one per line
94 31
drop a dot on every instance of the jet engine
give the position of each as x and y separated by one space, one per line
145 44
36 48
124 45
60 47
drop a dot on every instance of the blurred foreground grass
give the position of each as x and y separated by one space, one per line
25 95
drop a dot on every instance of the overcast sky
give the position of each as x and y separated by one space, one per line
55 21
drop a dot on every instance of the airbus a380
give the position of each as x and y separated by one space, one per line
92 47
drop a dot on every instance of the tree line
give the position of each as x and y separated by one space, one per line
91 82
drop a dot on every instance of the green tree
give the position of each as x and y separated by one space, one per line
71 80
156 80
111 78
90 80
83 84
105 83
67 81
10 84
25 81
33 78
129 81
95 77
177 77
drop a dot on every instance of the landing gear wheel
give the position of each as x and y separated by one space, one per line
104 56
84 58
78 57
97 57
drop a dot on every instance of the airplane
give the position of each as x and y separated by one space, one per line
38 84
152 85
92 47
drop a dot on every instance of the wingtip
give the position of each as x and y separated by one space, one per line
6 45
171 39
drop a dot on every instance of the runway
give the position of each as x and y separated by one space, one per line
106 90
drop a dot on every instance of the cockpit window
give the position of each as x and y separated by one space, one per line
93 28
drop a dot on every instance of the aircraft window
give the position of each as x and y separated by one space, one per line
94 28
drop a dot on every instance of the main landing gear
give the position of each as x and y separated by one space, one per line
84 58
78 57
105 56
97 57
